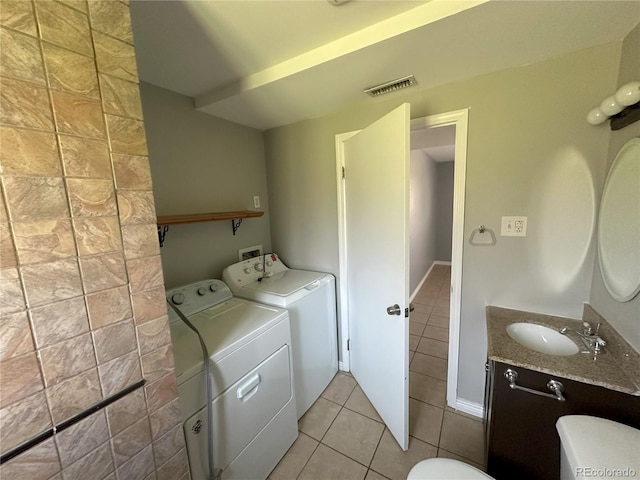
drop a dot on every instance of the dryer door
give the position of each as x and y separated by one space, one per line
241 414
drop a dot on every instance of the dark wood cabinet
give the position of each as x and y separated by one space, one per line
522 441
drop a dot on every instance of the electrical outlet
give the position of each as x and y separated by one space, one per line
256 201
514 227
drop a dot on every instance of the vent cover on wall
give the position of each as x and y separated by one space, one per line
391 86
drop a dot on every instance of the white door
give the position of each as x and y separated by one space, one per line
377 241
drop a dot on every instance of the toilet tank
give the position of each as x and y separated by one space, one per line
593 447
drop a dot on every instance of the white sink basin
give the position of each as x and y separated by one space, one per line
542 339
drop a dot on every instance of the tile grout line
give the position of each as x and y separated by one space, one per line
344 407
444 409
376 451
321 438
308 459
445 401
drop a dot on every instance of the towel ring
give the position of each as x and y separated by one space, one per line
481 230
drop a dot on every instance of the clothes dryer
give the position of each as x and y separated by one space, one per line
310 299
254 416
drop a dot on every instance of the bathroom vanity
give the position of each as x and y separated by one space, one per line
522 441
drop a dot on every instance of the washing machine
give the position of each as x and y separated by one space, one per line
254 414
310 299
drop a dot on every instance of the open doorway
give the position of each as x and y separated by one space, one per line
459 121
435 132
431 181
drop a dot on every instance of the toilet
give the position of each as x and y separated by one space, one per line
445 469
598 448
589 447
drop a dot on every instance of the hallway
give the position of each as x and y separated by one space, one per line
342 436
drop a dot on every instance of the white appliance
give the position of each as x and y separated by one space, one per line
254 412
311 300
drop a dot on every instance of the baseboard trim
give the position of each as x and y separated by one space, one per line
415 292
424 279
472 408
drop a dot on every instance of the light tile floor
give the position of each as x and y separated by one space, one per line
342 436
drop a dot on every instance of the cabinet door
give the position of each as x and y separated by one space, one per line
521 427
523 442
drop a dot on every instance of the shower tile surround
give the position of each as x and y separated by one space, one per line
81 288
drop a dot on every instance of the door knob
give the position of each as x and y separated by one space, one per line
394 310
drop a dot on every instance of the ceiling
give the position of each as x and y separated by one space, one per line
437 142
266 63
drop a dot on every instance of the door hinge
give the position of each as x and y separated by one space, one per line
343 172
406 313
348 345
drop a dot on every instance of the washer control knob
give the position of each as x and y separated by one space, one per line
247 270
177 298
213 287
202 291
269 263
258 267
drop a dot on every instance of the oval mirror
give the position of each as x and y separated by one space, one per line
619 224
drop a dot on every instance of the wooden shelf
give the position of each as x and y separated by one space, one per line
207 217
235 217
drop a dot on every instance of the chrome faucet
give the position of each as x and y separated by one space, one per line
590 338
587 330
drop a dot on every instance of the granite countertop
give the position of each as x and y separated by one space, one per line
616 368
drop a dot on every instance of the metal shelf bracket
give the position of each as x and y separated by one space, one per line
162 231
235 224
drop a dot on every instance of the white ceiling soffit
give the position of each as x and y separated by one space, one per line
437 142
269 63
430 137
195 46
445 153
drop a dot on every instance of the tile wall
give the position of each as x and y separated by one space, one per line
82 312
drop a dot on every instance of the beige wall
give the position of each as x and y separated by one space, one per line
200 163
530 152
444 217
81 294
625 317
422 216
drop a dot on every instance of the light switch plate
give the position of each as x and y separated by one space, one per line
514 226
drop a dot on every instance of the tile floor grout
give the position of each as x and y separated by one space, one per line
305 468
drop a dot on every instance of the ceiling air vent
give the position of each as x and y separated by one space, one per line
391 86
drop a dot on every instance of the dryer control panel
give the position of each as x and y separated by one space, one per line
195 297
253 269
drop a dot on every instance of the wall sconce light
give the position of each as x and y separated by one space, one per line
623 107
